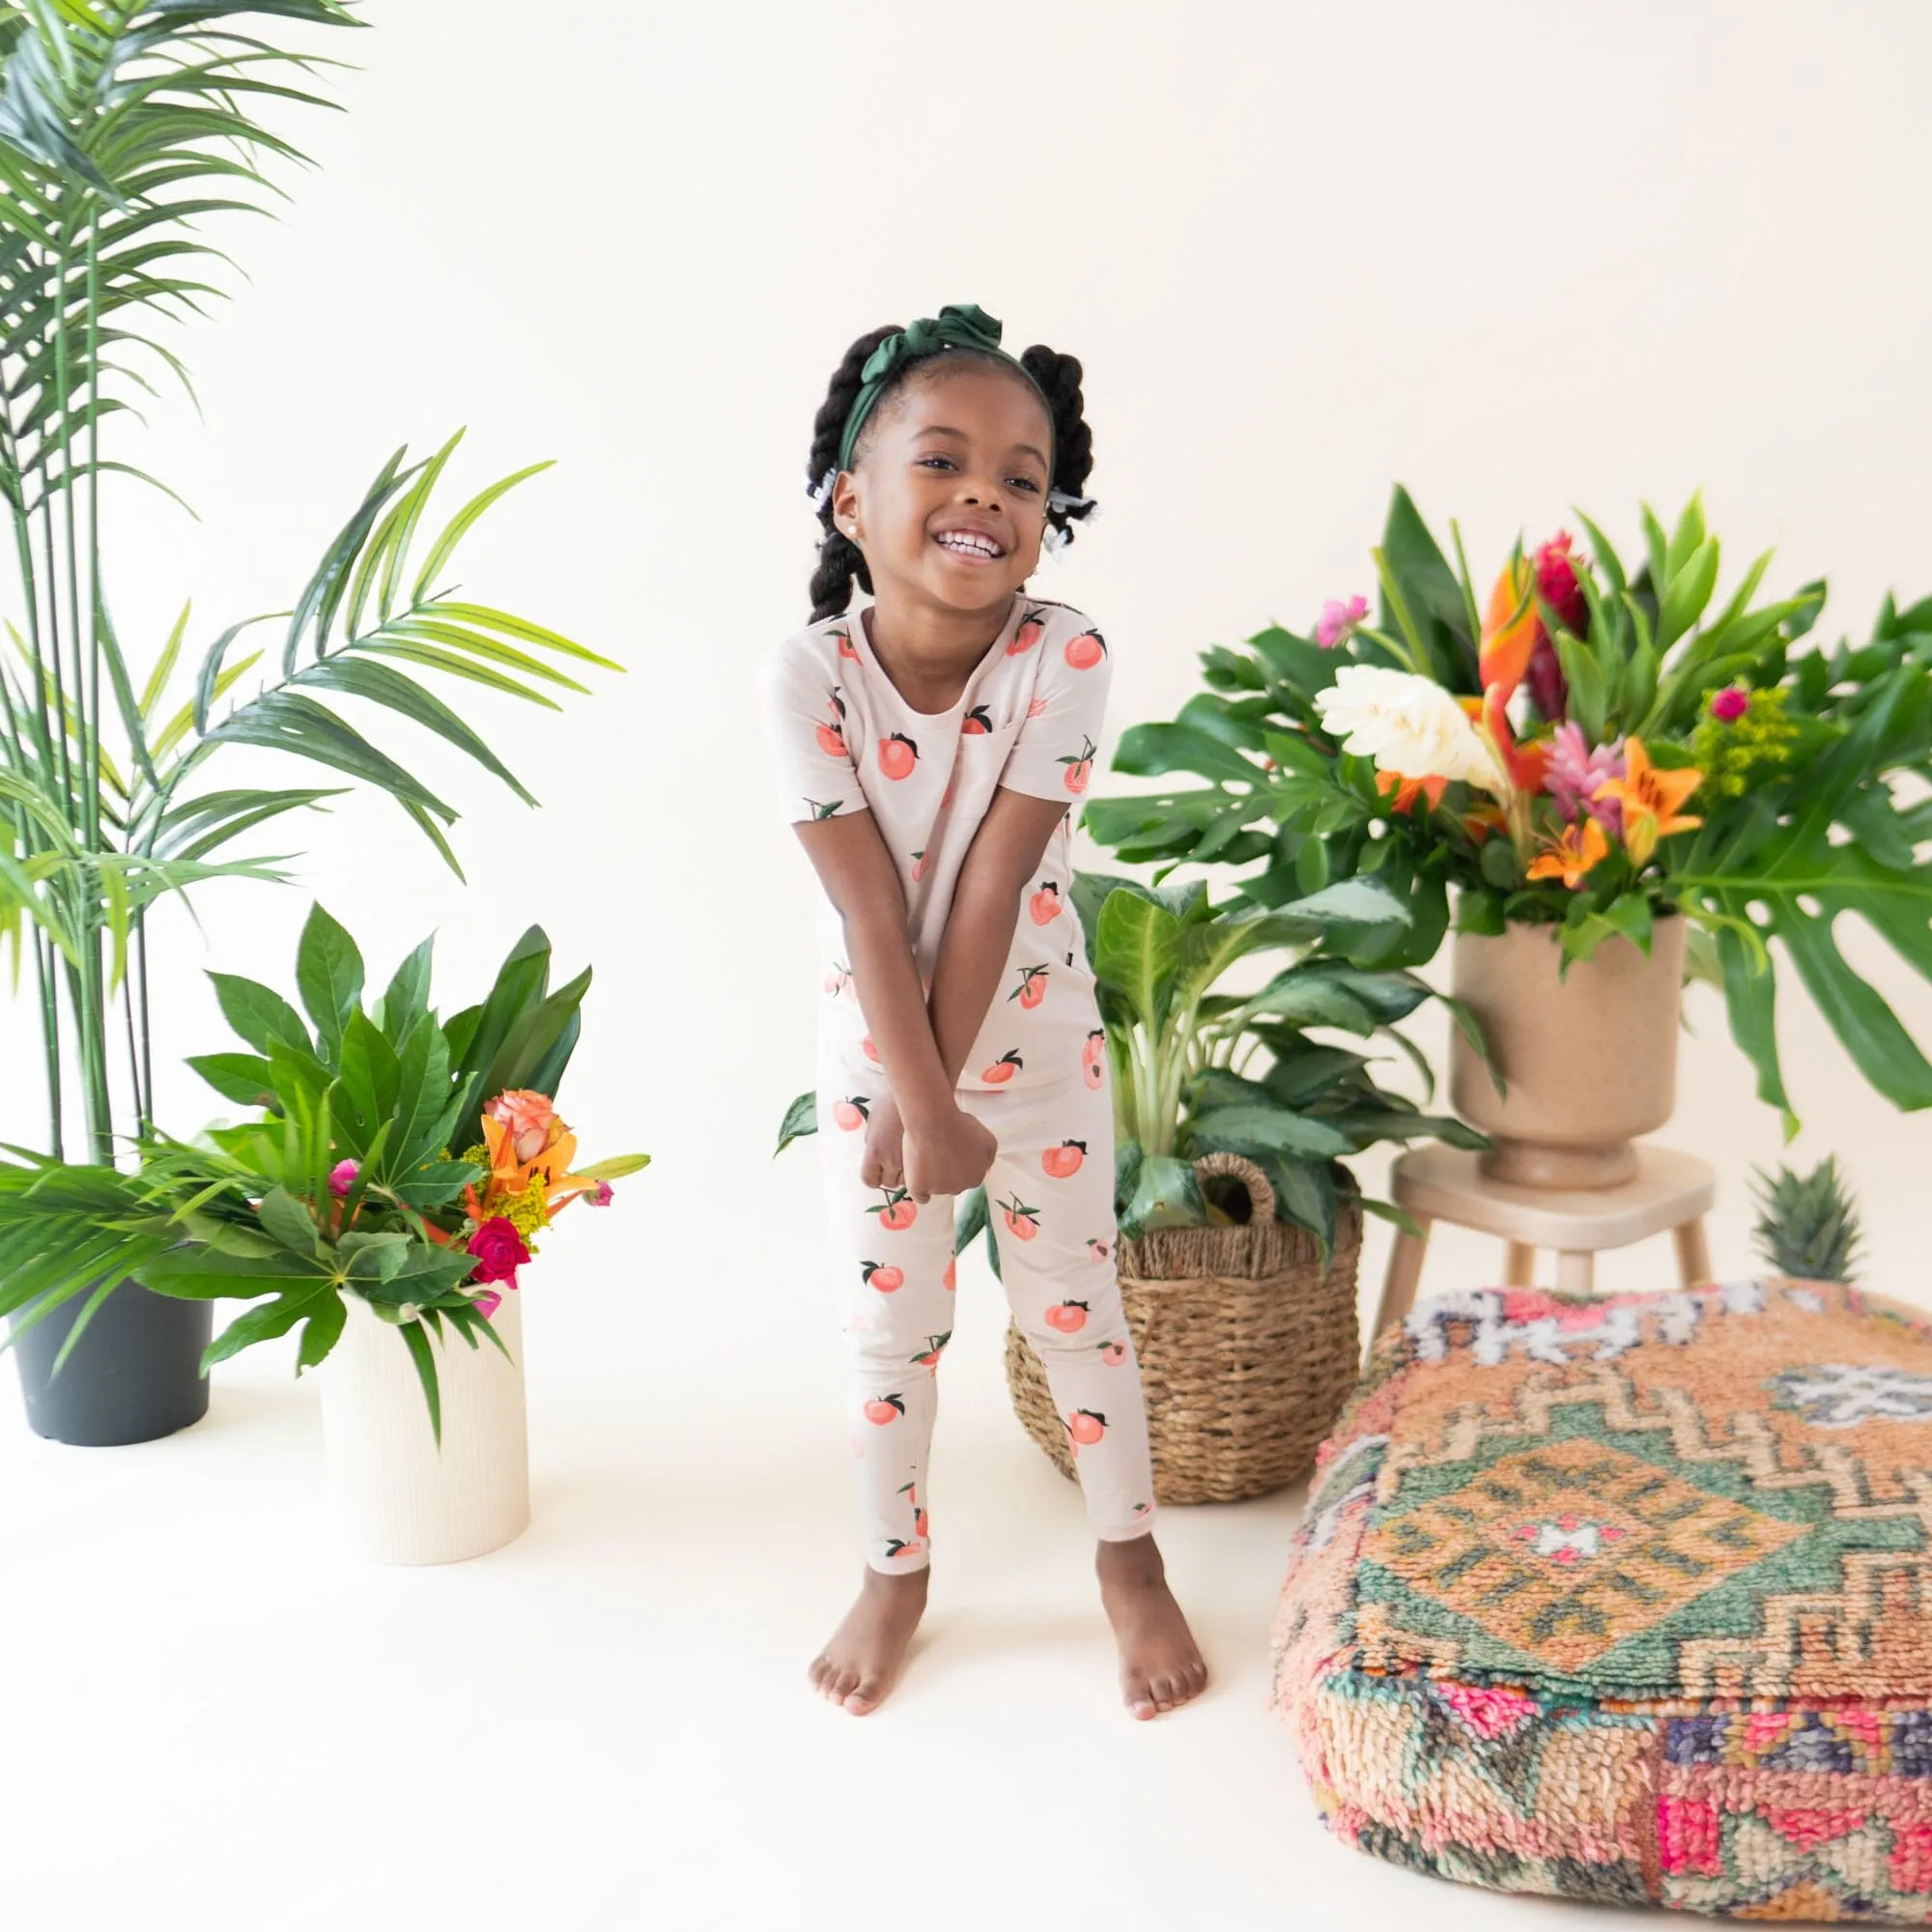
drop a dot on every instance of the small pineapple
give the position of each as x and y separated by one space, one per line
1809 1225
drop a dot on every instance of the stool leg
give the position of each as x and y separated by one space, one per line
1693 1253
1576 1270
1519 1266
1405 1272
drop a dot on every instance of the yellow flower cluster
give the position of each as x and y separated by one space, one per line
1730 754
526 1210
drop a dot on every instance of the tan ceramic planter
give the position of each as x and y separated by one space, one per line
1590 1061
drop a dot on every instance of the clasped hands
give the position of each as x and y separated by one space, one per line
950 1153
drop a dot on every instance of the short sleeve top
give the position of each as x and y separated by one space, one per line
842 739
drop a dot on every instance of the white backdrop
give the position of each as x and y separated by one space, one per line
1518 256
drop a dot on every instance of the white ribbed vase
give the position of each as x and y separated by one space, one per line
394 1496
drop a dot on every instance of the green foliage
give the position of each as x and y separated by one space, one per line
250 1211
1808 1226
122 130
1182 1056
1800 823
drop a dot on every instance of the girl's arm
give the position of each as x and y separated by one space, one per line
1005 854
859 880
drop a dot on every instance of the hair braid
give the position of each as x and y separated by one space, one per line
1059 377
840 558
840 561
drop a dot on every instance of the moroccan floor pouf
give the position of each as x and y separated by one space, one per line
1629 1599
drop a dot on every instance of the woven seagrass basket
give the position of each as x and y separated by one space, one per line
1247 1346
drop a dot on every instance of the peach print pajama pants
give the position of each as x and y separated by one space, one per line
1050 1193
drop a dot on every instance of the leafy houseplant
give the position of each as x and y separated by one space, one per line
398 1159
1181 1055
1599 747
122 125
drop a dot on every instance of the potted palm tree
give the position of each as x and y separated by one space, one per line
122 129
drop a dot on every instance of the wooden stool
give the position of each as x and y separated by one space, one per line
1439 1183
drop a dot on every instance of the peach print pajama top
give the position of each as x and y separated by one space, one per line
843 739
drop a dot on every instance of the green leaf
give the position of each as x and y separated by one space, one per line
1139 951
801 1117
461 522
259 1013
972 1218
289 1222
1471 1027
260 1325
421 1354
1167 1194
1236 1129
362 679
204 1274
241 1077
323 1331
1686 540
406 999
329 976
1689 592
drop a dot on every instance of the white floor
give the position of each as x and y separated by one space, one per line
212 1718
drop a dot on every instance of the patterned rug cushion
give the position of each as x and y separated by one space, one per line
1629 1599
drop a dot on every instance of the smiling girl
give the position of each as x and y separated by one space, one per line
927 748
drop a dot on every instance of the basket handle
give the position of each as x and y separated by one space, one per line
1260 1194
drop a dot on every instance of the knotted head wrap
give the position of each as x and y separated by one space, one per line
957 326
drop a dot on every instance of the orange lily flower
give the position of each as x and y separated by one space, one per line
1570 857
1503 655
1407 789
509 1175
1650 799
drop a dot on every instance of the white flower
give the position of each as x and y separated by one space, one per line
1407 725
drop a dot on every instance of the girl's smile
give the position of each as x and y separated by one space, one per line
948 495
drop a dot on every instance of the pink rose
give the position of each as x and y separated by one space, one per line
342 1178
486 1303
600 1197
1339 620
500 1251
530 1117
1730 704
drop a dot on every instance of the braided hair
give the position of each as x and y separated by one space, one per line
840 560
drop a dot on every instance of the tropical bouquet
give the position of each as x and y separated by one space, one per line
1594 747
402 1159
1197 1070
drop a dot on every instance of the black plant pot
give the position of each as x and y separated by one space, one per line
135 1374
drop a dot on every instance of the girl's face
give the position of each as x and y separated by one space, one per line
949 498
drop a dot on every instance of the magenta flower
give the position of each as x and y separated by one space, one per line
1730 704
342 1178
500 1251
1339 620
486 1303
601 1197
1576 772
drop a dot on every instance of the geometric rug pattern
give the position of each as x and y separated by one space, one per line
1629 1599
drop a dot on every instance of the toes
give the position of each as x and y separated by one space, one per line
866 1695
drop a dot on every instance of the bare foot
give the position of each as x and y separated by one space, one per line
1160 1665
857 1667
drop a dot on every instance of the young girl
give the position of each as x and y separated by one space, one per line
927 749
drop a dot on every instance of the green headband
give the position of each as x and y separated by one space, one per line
957 325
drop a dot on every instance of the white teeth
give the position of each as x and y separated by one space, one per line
979 546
